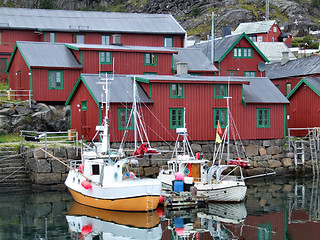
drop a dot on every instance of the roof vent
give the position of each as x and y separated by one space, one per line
285 57
182 68
117 39
226 31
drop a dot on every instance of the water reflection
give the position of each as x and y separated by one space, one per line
91 223
274 209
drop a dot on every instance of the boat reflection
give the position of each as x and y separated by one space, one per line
89 223
218 220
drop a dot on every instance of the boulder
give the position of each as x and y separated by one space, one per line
274 163
196 147
262 151
23 110
39 165
286 162
273 150
252 150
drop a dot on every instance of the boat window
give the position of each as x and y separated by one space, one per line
95 169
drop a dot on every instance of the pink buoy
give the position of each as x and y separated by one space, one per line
179 176
179 231
160 212
86 184
197 156
160 199
86 229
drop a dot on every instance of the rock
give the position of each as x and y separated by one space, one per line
7 111
286 162
46 178
39 165
23 110
274 163
207 148
39 154
287 188
273 150
149 171
59 152
252 150
254 171
196 148
72 153
58 167
8 105
262 151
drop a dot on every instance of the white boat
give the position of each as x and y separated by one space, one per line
89 223
209 181
102 179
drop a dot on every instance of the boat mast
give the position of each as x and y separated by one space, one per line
134 106
184 131
105 135
228 122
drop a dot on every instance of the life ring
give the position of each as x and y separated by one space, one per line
190 171
186 171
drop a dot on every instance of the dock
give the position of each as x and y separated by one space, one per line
181 200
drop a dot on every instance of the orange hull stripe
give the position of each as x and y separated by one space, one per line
138 204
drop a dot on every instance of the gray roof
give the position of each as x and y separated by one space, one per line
294 68
273 50
221 46
192 78
254 27
195 58
121 89
74 21
38 54
314 82
262 90
121 48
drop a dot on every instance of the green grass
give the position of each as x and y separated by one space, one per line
9 138
4 86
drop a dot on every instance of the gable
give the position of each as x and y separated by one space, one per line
312 82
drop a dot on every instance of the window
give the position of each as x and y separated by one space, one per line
105 40
0 37
83 105
231 72
3 64
52 37
264 231
242 52
263 117
259 39
278 86
177 90
95 169
220 114
150 73
219 91
253 38
272 39
55 80
288 88
123 119
79 39
168 42
105 57
250 73
150 59
274 29
176 118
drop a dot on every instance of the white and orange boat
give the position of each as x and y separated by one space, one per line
102 178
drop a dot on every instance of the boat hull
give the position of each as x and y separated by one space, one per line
228 191
131 195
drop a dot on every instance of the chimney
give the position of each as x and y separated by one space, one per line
196 38
226 31
117 39
285 57
182 68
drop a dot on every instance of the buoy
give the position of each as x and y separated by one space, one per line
179 176
179 231
197 156
86 229
160 199
81 168
160 212
86 184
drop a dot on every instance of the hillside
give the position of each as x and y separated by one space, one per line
297 16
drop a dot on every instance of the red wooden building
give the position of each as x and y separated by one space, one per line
264 31
48 70
288 73
304 110
124 59
89 27
165 100
235 55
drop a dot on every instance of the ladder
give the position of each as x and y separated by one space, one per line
313 150
299 195
299 157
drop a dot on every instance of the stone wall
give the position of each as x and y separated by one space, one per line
265 156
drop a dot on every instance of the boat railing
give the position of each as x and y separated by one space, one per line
74 164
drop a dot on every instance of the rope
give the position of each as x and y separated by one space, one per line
88 179
11 174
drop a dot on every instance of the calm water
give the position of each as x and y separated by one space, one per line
274 209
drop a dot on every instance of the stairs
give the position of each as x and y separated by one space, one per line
13 174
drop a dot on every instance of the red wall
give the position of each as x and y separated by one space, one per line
18 80
304 110
199 104
40 85
154 40
243 64
127 63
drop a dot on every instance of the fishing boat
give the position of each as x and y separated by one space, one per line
209 181
102 179
92 223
